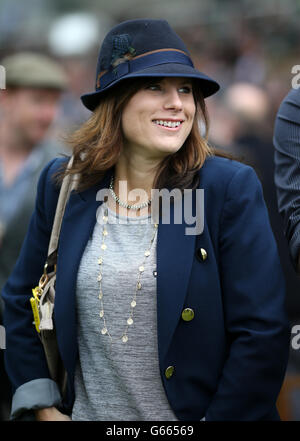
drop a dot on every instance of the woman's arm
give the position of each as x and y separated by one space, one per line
24 355
253 290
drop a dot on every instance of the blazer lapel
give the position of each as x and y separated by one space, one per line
175 253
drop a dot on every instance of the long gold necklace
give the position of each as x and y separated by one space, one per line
138 288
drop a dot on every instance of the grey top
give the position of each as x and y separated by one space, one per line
118 381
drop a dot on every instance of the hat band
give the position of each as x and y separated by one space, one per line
163 56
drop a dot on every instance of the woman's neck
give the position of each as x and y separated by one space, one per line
133 182
137 172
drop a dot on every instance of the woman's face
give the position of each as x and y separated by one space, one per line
158 118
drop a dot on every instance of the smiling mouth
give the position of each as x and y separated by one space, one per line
167 123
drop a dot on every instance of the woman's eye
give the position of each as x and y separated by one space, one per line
154 87
185 89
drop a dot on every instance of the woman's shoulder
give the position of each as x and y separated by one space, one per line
229 180
48 187
49 171
222 161
218 170
56 164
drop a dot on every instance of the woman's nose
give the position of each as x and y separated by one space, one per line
173 100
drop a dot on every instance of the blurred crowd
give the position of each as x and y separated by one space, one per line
252 61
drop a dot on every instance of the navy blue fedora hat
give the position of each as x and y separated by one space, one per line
143 48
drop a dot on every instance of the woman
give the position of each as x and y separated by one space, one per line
153 322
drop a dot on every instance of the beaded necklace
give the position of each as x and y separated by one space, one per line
138 288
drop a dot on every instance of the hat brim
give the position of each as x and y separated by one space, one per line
207 85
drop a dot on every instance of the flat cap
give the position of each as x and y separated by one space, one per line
29 69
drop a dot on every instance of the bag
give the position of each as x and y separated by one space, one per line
43 299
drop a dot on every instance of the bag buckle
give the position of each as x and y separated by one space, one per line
44 279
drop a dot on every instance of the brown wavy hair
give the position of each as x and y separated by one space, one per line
98 143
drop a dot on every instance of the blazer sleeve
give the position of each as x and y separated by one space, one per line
287 168
24 354
253 290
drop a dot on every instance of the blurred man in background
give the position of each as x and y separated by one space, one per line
28 106
287 180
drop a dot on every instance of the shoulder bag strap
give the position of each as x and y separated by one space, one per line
69 183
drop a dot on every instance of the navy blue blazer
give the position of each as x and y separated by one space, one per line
230 360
